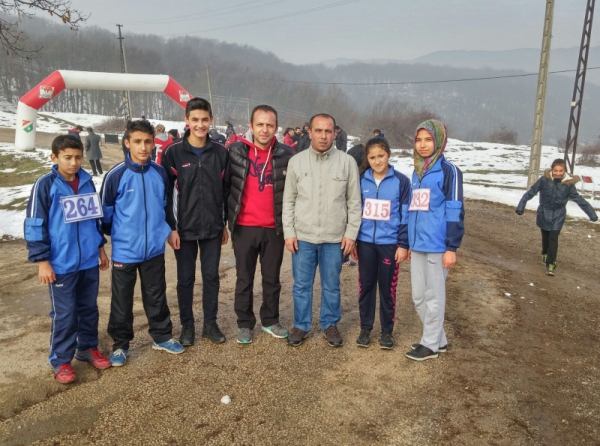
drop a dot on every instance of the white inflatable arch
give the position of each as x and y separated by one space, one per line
56 82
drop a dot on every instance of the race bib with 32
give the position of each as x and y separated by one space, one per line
420 200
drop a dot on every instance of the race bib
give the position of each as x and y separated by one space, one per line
81 207
420 200
377 209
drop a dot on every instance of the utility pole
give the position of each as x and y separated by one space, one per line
540 99
577 100
210 98
126 95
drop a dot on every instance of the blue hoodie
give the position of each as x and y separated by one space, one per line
134 200
441 228
394 187
69 247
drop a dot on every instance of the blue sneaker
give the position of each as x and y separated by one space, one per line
118 358
171 346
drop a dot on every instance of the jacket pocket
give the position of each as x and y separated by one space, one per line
34 229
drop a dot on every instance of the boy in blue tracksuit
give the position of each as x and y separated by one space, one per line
382 241
134 200
435 231
64 238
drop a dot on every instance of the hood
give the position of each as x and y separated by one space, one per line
568 179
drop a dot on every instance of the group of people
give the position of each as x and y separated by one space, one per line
317 203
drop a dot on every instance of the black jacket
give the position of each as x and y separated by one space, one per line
303 142
236 179
198 211
554 195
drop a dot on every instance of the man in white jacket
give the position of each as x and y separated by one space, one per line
321 218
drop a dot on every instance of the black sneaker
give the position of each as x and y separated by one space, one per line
188 336
211 331
333 336
441 349
296 337
364 338
386 341
421 353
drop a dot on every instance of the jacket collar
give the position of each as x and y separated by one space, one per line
277 148
84 177
135 166
369 173
325 154
187 146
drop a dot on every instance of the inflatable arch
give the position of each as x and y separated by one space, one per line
56 82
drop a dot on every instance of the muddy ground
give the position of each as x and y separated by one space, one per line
522 368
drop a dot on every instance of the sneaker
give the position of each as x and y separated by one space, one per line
118 358
386 341
64 374
364 338
550 268
333 336
212 332
421 353
276 330
94 357
188 336
171 346
441 348
297 337
244 336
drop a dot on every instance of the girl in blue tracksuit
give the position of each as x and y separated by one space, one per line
382 241
435 230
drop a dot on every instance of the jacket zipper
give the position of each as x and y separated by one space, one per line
145 218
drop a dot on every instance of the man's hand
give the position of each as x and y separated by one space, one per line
46 273
225 237
347 245
103 259
401 255
354 254
173 240
291 244
449 259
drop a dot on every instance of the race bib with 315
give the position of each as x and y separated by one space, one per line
377 209
81 207
420 200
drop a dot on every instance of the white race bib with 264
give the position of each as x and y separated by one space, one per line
81 207
420 200
377 209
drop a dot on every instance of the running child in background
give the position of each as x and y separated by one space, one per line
134 200
555 189
63 237
435 231
382 241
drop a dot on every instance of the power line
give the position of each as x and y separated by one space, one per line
291 14
439 81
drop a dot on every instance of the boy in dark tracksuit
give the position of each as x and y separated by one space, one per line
197 195
134 200
382 241
63 236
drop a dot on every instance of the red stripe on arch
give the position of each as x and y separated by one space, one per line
176 92
47 89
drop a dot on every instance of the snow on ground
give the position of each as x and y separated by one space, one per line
493 172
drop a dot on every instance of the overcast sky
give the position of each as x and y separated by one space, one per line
317 30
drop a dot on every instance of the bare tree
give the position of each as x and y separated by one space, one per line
11 39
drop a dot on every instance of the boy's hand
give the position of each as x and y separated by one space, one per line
401 255
103 259
173 240
46 273
449 259
225 237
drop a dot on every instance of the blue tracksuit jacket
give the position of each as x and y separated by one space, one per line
394 187
441 228
70 247
134 200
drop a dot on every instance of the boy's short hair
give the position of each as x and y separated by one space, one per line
139 125
264 108
558 162
198 104
63 142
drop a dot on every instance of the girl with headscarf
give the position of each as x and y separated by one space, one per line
435 231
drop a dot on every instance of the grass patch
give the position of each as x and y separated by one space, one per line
28 169
18 204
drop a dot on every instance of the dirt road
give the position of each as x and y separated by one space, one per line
522 367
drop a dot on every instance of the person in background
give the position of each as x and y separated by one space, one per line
378 133
75 132
93 153
341 139
162 140
288 138
555 189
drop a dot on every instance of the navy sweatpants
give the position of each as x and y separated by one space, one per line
377 266
74 314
